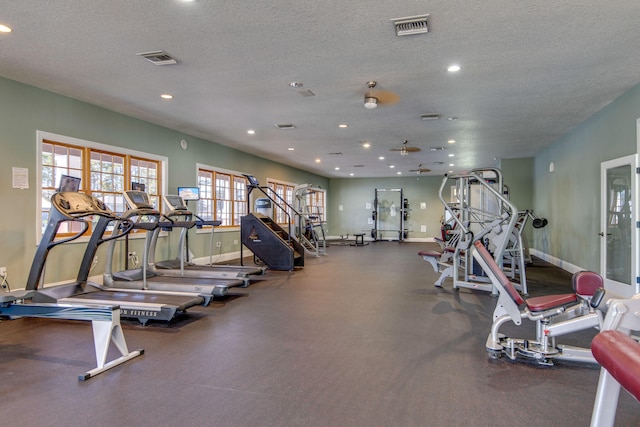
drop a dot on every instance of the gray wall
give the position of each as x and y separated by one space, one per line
570 196
26 109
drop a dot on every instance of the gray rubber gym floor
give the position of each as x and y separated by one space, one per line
357 338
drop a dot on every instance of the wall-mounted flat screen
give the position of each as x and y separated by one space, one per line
189 193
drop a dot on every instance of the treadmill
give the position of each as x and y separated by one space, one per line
143 306
184 268
148 218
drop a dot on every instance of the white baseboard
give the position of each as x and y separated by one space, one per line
571 268
369 239
228 256
420 239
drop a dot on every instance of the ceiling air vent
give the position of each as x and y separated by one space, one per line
434 116
411 25
158 57
285 126
436 148
306 93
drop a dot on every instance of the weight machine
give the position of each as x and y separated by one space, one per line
554 315
308 220
479 211
390 211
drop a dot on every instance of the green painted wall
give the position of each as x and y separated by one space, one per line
353 194
26 109
570 196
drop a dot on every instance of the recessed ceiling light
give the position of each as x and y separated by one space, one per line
452 118
399 173
290 148
4 29
451 141
251 132
296 84
337 168
451 155
366 144
166 96
381 158
318 160
453 68
343 125
392 166
451 165
351 174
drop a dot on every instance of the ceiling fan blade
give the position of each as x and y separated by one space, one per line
406 149
385 97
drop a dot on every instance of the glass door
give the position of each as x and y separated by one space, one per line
618 231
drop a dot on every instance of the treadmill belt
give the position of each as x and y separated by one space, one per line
126 299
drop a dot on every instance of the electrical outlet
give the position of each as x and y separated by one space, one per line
3 271
235 242
218 244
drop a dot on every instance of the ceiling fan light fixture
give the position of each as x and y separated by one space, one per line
370 102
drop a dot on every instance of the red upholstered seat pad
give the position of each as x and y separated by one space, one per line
550 301
586 282
620 355
434 254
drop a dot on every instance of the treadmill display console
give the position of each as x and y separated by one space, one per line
78 204
138 199
175 203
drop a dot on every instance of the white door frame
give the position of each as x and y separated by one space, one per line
633 287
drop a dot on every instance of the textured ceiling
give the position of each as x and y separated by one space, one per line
531 71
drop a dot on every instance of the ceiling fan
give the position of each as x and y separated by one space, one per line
420 170
379 97
405 149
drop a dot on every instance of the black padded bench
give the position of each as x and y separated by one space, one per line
359 239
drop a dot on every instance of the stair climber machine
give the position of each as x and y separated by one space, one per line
309 225
268 240
147 278
137 304
104 317
235 275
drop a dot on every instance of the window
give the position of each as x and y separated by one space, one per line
223 196
315 204
105 172
58 160
285 192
